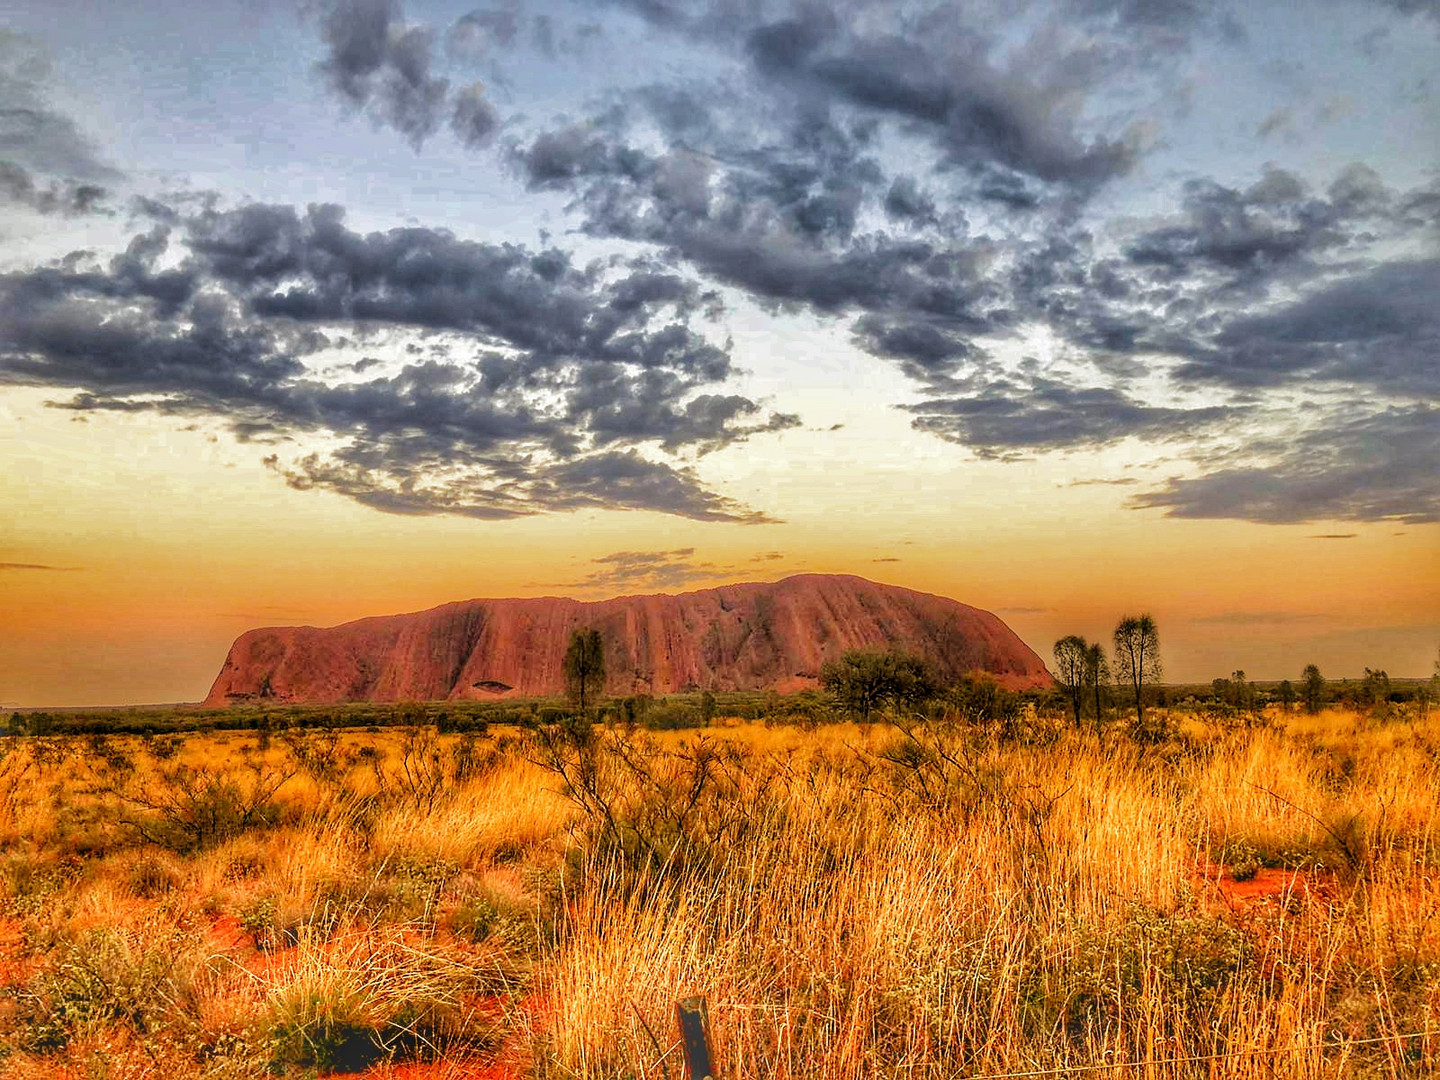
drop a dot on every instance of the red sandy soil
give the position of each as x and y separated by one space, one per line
1267 885
740 637
225 932
15 968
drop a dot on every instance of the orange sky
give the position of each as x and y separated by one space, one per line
165 545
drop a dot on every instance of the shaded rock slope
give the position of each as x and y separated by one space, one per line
738 637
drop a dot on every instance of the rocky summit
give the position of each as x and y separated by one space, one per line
770 636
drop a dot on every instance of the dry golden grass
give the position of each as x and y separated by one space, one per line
850 903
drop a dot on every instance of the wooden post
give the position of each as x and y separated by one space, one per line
694 1021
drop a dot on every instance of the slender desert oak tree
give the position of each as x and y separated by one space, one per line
1137 657
1070 653
1097 675
585 666
1312 688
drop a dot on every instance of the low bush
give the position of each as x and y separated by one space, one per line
107 976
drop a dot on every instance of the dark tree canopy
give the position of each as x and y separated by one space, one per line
1287 694
1375 690
585 667
1137 657
1071 657
862 681
1312 688
1097 676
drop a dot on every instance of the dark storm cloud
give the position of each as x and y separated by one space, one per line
929 350
1005 420
1379 327
540 382
1252 287
907 202
1376 467
973 111
506 488
1252 235
379 64
629 481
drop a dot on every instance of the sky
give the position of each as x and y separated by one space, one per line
1066 310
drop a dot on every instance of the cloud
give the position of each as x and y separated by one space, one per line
1413 7
1280 121
47 163
37 566
1378 466
932 176
1378 326
378 63
1335 536
650 569
1120 481
1256 618
537 388
1250 235
67 198
788 185
1004 420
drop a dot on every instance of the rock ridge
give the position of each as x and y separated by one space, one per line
753 636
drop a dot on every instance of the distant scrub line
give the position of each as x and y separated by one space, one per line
674 711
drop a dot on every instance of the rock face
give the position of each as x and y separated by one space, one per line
740 637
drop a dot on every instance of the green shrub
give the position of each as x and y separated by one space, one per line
487 913
1242 858
106 977
672 716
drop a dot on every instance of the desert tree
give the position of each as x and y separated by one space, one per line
1376 688
862 681
1287 695
1312 688
1097 677
1070 656
1242 690
585 666
1137 657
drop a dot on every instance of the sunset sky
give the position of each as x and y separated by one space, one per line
1065 310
